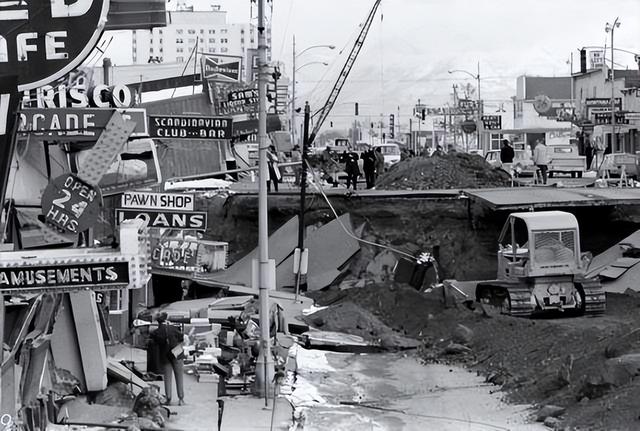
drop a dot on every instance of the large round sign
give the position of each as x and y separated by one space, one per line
468 126
71 204
43 40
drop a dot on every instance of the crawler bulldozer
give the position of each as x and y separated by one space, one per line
540 268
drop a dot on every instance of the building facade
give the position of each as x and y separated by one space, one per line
593 91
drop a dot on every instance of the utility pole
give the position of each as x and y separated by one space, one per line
293 94
301 283
264 365
612 27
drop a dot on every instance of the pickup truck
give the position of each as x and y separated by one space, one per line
564 159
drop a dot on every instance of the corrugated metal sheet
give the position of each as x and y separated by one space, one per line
196 103
188 157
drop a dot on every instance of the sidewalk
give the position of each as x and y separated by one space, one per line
243 412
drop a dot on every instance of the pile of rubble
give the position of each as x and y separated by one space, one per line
586 366
448 171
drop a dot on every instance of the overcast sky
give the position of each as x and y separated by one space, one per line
413 43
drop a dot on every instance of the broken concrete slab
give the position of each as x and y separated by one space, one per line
281 244
329 248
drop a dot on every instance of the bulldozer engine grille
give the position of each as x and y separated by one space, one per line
555 248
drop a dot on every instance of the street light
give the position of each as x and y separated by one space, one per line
477 78
610 28
324 63
293 90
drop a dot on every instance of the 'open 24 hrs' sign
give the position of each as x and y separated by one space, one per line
71 204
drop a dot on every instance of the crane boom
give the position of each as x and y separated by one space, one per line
335 91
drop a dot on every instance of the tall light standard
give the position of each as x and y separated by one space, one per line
293 89
610 28
477 78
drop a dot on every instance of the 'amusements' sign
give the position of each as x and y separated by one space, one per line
25 278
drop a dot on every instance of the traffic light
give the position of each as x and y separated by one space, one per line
356 108
583 60
424 113
331 123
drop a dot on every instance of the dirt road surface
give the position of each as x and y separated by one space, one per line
394 391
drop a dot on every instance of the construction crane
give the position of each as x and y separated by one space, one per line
344 73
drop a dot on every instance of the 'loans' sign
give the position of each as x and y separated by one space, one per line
180 126
44 40
157 201
185 220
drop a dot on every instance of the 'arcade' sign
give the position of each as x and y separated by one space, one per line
42 40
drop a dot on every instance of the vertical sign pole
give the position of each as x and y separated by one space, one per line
265 361
8 129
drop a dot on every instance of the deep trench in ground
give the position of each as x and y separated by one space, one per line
464 233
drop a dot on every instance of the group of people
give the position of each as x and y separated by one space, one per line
540 156
372 166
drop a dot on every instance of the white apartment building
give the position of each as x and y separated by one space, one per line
190 31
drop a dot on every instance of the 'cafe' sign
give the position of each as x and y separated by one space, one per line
43 40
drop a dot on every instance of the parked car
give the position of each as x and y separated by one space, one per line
522 163
391 153
566 160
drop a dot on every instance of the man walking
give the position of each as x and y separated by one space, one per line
541 159
296 156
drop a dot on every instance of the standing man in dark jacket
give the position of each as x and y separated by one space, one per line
506 152
369 167
350 159
167 338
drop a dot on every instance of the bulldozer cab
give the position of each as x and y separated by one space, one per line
539 244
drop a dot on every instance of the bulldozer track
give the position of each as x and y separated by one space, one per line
520 297
594 297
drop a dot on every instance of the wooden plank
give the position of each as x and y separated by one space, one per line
123 374
90 340
64 343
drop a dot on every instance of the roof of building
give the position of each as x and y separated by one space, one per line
553 87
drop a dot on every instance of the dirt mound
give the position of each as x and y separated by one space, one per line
449 171
560 361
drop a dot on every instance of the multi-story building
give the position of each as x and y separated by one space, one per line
188 32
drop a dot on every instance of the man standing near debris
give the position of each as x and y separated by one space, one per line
296 156
169 340
369 167
541 159
379 162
